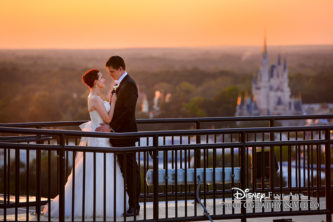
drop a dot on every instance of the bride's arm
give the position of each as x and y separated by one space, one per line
100 108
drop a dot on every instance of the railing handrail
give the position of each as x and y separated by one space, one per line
114 135
160 147
175 120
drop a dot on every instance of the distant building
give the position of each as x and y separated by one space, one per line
157 102
154 109
144 104
270 91
318 109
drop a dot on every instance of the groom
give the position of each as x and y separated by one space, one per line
124 121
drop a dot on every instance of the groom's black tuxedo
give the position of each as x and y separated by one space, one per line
124 113
124 121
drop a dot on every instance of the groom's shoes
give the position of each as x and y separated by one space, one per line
132 211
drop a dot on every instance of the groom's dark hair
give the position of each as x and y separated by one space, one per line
116 62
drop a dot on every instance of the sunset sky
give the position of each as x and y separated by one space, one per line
163 23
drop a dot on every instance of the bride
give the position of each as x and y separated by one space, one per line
99 112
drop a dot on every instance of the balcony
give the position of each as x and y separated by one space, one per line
287 170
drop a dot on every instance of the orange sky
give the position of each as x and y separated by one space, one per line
163 23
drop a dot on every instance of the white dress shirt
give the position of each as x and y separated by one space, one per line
122 77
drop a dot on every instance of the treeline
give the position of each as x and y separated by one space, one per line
36 87
314 88
39 89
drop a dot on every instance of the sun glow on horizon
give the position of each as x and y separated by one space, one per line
172 23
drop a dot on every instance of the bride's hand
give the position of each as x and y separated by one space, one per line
113 98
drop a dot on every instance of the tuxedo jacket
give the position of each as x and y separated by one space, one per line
124 113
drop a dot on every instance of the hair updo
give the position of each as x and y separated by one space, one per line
89 77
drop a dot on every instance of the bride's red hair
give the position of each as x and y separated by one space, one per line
89 77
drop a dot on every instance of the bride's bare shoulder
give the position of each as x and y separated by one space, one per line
92 100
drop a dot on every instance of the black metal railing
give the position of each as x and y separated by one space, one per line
275 161
270 120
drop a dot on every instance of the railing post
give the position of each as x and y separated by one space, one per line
197 151
271 158
17 181
38 168
243 169
61 181
5 184
155 178
328 194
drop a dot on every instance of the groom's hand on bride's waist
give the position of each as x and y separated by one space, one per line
104 128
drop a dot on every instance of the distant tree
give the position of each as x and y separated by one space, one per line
224 103
194 107
44 106
175 108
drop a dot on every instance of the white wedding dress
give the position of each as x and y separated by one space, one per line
89 179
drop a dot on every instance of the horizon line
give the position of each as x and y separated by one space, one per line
173 47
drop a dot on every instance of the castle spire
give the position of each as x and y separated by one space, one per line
264 49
